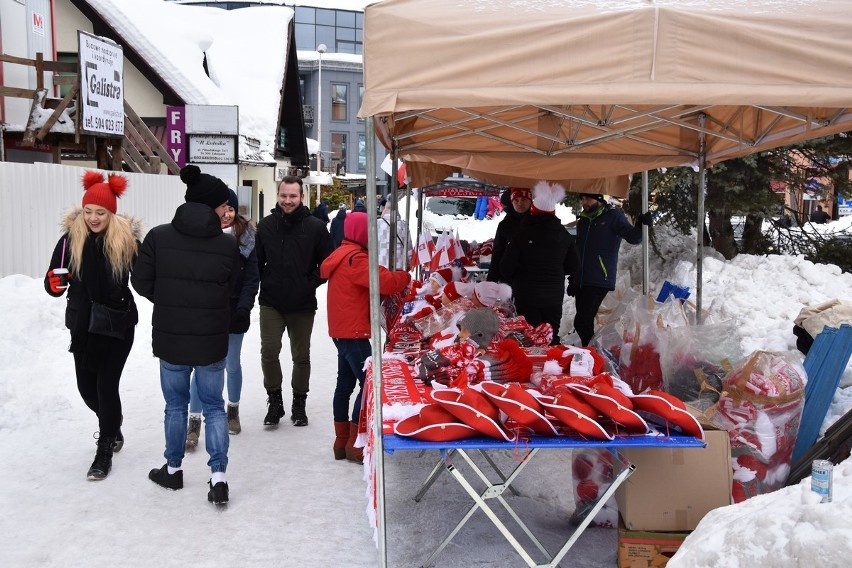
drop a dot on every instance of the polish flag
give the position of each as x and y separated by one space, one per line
442 255
424 251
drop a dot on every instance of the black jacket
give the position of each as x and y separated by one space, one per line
337 228
188 269
96 285
537 260
505 231
290 249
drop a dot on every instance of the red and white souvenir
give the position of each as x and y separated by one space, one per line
666 408
434 424
474 409
519 405
566 408
607 402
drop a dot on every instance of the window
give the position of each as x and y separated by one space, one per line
362 152
339 94
338 150
66 58
360 99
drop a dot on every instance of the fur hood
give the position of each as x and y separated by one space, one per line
136 225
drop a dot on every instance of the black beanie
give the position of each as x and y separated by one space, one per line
203 188
598 196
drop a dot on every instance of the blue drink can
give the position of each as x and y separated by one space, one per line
822 474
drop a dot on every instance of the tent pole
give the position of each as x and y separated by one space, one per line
420 201
376 335
702 186
645 248
392 236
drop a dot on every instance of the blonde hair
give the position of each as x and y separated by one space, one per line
119 245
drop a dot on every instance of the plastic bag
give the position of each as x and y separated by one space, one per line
760 408
695 359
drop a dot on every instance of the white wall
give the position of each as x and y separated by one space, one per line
35 197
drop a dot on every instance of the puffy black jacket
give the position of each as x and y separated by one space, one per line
537 259
188 269
97 284
505 231
290 249
599 235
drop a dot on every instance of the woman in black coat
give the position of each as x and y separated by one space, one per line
537 260
92 262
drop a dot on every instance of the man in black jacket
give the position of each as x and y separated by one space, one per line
188 269
538 258
600 230
291 245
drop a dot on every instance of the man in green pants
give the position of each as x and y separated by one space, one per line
291 245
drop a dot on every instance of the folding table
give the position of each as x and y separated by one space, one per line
494 490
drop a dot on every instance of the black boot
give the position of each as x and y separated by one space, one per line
297 411
119 438
276 408
103 460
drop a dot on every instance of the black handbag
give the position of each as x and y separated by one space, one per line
108 321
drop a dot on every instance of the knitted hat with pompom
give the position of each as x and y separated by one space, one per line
103 192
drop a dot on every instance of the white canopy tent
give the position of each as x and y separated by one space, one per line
584 91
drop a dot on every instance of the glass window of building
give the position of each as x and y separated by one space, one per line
338 150
360 99
325 17
339 97
362 152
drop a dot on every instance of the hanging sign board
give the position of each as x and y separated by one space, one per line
101 85
212 149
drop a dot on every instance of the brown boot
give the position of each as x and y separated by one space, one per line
354 454
341 436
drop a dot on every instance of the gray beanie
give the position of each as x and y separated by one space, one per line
482 323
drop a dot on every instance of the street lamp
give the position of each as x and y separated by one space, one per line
321 48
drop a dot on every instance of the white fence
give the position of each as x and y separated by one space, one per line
35 197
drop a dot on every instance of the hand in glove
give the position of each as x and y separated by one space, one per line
645 218
58 284
572 286
240 321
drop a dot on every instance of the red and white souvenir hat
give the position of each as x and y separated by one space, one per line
434 424
573 417
669 408
474 409
519 405
610 407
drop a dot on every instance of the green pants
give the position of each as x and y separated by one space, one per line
298 326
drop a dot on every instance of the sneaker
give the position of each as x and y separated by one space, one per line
218 494
234 419
193 432
163 478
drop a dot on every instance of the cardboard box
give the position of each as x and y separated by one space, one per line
646 549
672 489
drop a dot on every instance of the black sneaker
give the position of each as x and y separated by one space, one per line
218 494
276 409
163 478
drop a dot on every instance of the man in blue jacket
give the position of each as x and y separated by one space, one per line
600 230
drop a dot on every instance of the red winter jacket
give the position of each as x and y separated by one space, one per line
347 272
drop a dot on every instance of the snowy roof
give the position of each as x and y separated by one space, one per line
245 50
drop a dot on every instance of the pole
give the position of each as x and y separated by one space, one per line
646 277
376 335
702 181
321 48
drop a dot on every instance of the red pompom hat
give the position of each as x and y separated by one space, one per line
102 192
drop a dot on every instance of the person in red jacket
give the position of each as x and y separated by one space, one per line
347 272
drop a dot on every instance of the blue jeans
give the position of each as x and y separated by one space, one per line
351 354
174 381
233 370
